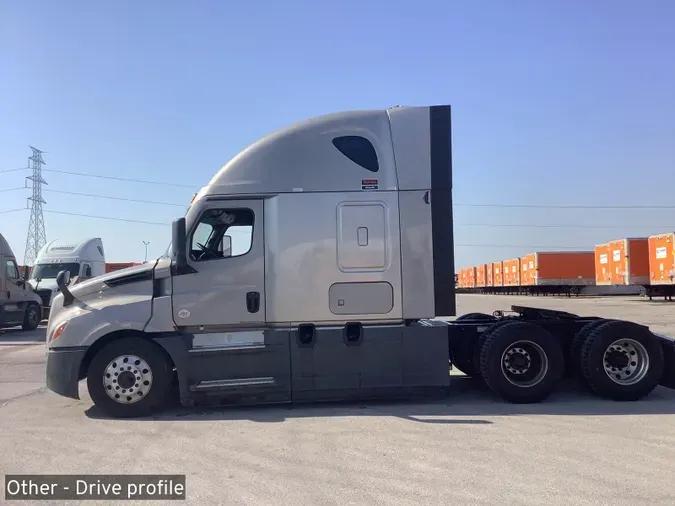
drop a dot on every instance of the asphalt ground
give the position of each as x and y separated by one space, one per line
467 449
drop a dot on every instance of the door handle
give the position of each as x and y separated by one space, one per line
9 294
253 302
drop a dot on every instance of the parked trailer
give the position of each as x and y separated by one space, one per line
512 275
661 266
603 272
481 276
557 272
314 309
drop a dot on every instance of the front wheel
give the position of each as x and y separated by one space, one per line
31 318
130 377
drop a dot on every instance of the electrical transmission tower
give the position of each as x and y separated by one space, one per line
36 226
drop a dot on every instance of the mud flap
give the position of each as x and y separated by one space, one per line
668 376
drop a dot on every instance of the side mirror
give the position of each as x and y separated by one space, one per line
62 281
179 243
226 246
87 271
63 278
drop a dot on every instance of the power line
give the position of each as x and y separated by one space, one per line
553 206
498 206
129 180
14 170
117 198
525 246
13 189
510 225
12 210
491 225
108 218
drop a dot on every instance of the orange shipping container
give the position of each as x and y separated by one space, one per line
603 274
550 268
471 277
527 277
512 272
498 273
489 274
481 275
116 266
662 259
463 275
629 261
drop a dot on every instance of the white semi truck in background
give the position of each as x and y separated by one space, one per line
82 258
336 292
19 304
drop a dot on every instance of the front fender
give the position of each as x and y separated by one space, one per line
89 322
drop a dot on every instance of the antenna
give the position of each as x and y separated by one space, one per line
36 226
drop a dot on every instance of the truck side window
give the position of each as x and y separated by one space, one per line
359 150
12 270
222 233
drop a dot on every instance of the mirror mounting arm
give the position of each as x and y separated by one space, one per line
62 281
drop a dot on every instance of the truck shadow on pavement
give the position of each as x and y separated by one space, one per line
468 402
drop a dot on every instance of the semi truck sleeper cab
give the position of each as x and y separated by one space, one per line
314 266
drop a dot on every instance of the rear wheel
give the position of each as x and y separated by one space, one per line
521 362
130 377
574 357
31 318
622 361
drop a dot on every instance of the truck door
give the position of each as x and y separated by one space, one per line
222 307
13 292
226 250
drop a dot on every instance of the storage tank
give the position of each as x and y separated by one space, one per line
662 259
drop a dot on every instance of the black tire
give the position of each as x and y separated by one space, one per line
478 346
574 356
476 316
161 379
618 338
546 362
32 317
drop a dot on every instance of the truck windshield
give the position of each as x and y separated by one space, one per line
48 271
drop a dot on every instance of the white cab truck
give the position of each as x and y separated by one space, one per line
19 304
317 265
82 258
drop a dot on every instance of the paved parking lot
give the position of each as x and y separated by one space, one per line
469 449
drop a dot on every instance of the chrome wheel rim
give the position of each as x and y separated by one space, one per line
524 364
626 362
127 379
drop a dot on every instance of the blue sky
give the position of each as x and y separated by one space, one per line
554 103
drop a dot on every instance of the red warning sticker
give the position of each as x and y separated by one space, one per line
369 184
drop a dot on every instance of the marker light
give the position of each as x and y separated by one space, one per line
58 331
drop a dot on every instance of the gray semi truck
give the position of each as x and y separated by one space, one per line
19 304
318 265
